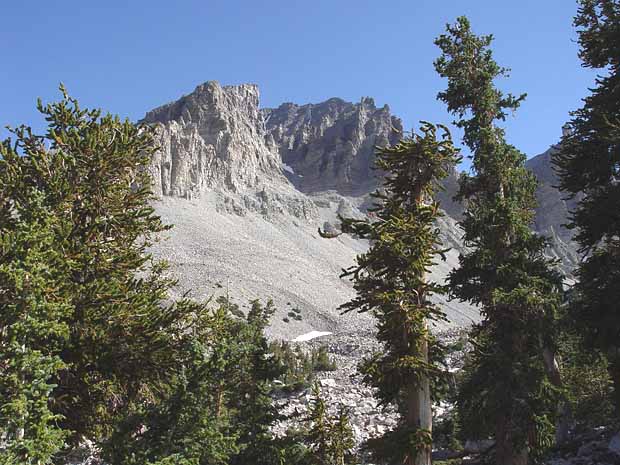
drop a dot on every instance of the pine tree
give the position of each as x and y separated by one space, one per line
510 391
329 439
33 325
251 383
319 432
342 440
193 424
116 342
390 281
588 162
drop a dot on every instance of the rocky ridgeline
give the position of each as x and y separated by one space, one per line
331 145
214 140
273 161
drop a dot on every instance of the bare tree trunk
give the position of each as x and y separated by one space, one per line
419 414
506 453
564 413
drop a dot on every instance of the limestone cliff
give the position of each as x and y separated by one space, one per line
554 209
331 145
214 140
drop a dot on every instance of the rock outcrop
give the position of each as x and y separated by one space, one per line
553 212
214 140
213 137
245 219
260 182
331 145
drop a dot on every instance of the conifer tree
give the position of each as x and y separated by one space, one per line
193 424
251 381
113 344
391 282
588 162
330 439
33 325
509 392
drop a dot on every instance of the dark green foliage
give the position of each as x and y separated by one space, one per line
33 326
122 342
114 345
295 314
220 409
89 348
190 426
507 392
299 366
330 439
320 360
390 281
588 383
227 303
589 163
447 433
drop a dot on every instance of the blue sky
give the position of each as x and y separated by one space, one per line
130 56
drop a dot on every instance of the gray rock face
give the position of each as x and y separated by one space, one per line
242 227
214 140
213 137
330 145
553 211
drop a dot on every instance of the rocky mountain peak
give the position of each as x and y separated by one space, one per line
331 145
213 138
206 100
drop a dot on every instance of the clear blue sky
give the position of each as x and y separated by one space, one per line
130 56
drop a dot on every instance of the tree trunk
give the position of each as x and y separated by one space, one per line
506 453
419 414
564 413
614 373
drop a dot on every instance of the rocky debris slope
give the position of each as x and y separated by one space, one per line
597 447
243 226
215 253
343 388
247 189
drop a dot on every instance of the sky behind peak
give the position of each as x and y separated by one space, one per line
130 57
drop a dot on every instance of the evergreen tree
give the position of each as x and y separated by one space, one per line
95 315
330 439
390 280
588 162
193 424
512 388
33 325
251 385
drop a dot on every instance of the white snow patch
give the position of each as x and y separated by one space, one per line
311 335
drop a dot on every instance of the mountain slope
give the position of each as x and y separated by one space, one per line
247 189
